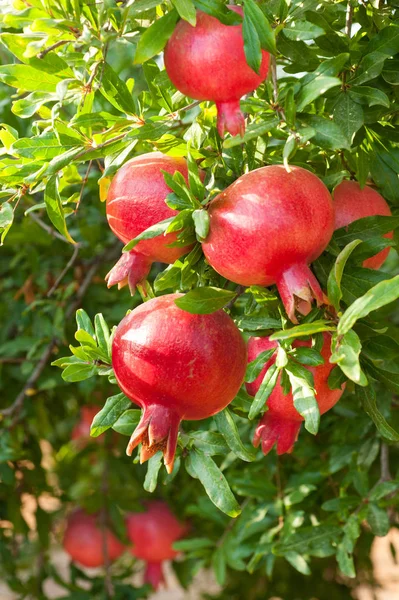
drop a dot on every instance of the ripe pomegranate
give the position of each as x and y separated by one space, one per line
135 201
351 203
83 540
280 425
176 366
81 431
207 62
267 227
152 534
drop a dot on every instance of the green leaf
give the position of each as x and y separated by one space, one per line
27 78
345 562
380 295
210 442
227 427
219 565
54 208
304 398
255 367
253 131
346 351
154 38
6 219
298 562
78 372
151 478
114 89
140 6
328 134
335 276
367 397
252 47
152 232
383 489
127 422
314 89
307 356
44 147
263 28
303 330
302 30
386 41
258 323
348 115
264 391
102 334
204 300
201 223
378 519
336 379
193 544
186 10
83 321
214 482
368 95
113 408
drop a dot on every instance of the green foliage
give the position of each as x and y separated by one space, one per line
82 90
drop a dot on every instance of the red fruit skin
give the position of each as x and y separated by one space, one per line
351 203
282 422
207 62
267 227
83 540
176 366
81 431
135 201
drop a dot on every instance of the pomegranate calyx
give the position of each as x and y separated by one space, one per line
230 118
154 574
132 268
298 287
157 431
275 430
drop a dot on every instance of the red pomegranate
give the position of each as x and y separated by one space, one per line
207 62
81 431
351 203
152 534
135 201
176 366
280 425
83 540
267 227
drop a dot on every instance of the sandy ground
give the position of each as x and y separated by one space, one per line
385 569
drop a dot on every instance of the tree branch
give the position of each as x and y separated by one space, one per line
64 270
47 228
349 17
43 53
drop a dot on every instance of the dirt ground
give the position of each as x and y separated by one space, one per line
385 569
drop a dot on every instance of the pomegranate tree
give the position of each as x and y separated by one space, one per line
152 534
135 201
84 540
281 423
207 62
351 203
175 365
267 227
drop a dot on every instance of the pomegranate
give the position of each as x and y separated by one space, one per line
207 62
83 540
152 534
135 201
81 431
280 425
267 227
176 366
351 203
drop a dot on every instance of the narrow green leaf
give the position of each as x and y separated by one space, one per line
255 367
114 89
348 115
298 562
262 26
368 398
378 519
303 330
83 321
334 279
154 38
328 134
54 208
314 89
252 47
27 78
201 222
78 372
151 478
219 565
346 352
113 408
214 483
204 300
253 131
264 391
148 234
304 397
186 10
380 295
227 427
307 356
127 422
368 95
102 333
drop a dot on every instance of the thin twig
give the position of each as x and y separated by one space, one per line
384 462
109 588
65 270
85 180
13 361
348 20
47 228
117 138
240 289
273 71
43 53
